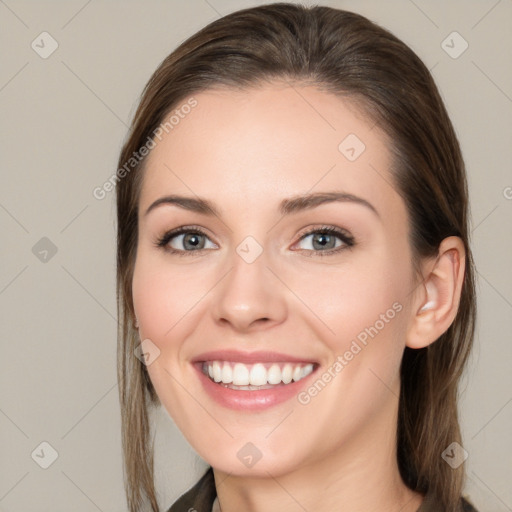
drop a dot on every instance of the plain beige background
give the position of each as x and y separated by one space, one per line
63 119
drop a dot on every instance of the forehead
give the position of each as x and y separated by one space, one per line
267 142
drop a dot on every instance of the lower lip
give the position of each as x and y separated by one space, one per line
243 399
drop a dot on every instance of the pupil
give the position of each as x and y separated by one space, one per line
193 243
321 239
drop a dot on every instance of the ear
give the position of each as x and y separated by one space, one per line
437 301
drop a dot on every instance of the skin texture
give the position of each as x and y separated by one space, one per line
245 151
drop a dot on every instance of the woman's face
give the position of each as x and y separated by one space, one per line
262 282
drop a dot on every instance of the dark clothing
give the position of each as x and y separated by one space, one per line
201 496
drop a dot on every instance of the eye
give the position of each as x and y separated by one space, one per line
327 240
184 239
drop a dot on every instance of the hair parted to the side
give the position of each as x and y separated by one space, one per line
348 55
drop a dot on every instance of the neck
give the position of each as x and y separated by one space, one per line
359 476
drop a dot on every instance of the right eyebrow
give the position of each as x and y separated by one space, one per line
199 205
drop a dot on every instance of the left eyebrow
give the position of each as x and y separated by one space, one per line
287 206
308 201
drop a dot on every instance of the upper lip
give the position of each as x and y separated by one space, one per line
259 356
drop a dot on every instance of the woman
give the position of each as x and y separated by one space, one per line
295 280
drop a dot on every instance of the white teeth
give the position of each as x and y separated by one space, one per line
274 374
259 374
227 373
240 375
307 370
217 372
287 373
297 373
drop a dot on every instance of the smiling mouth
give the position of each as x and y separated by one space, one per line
240 376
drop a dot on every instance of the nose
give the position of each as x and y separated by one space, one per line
250 296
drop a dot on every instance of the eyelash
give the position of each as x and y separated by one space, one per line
343 235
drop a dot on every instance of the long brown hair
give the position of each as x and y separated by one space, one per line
348 55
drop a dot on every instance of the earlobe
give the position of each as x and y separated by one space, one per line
438 299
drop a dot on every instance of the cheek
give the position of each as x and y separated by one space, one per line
350 298
363 317
162 298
